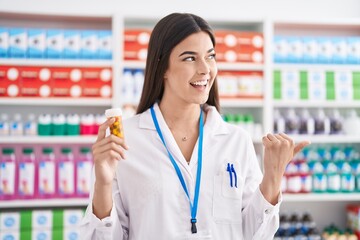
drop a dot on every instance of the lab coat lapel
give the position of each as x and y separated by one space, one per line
147 123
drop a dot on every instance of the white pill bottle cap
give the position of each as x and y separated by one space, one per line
113 112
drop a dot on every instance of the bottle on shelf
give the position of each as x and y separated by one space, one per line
87 124
30 126
322 122
66 173
83 172
307 123
27 175
352 123
279 122
8 174
44 125
4 125
59 127
73 125
291 122
336 122
16 126
46 174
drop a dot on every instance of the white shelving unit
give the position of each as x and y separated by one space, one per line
262 109
326 208
44 203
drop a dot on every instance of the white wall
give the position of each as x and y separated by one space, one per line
232 9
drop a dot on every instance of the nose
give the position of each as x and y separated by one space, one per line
203 67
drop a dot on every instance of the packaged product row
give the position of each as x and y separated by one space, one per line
40 172
232 46
55 43
318 85
50 124
244 84
296 225
317 121
59 224
32 81
322 49
133 81
245 121
330 169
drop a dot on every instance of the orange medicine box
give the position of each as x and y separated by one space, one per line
139 36
135 51
236 39
66 82
35 82
96 82
9 81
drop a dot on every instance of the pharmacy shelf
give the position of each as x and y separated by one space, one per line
315 104
241 102
69 202
240 66
48 139
37 101
317 67
221 66
56 62
321 197
331 139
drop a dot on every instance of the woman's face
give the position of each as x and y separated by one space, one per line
192 70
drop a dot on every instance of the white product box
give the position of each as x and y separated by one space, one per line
104 44
343 79
89 44
340 50
54 43
36 43
281 49
9 221
42 219
41 234
310 49
4 42
72 218
290 78
9 235
71 234
295 50
344 93
326 50
17 43
290 93
72 44
353 53
317 85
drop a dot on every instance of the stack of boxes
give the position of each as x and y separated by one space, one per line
57 224
55 43
33 81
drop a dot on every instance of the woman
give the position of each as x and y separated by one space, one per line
187 173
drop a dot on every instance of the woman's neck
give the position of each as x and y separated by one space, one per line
180 117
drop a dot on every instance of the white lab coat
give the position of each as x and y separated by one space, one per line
150 203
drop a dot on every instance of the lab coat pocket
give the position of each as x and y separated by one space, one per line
227 200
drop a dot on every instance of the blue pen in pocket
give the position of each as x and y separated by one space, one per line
235 176
228 169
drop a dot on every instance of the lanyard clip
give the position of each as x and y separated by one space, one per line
193 225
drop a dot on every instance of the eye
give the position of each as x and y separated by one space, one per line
212 56
189 59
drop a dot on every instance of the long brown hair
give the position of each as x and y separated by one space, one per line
167 33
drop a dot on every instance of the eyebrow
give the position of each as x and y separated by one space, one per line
194 53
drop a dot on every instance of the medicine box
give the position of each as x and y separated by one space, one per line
36 43
104 44
54 43
89 44
17 43
72 44
4 42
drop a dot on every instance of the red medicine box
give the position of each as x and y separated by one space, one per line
9 81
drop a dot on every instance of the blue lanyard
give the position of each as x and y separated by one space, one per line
194 206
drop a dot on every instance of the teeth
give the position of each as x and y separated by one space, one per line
200 83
